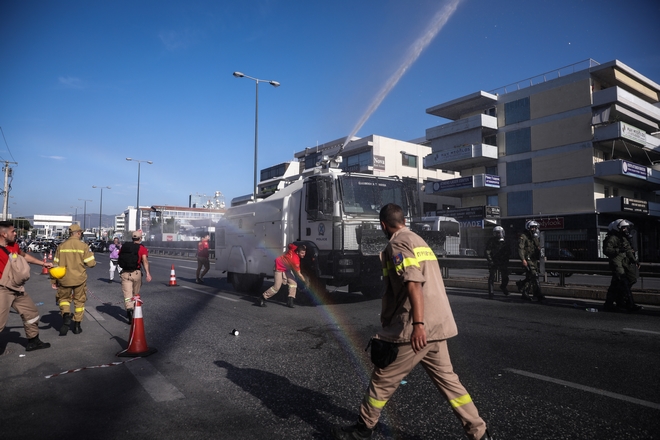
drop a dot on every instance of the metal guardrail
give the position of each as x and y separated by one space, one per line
178 251
562 267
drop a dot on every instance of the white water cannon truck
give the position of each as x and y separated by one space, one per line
334 213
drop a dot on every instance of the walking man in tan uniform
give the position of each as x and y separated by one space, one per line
417 319
74 254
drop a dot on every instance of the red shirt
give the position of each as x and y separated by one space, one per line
290 260
4 258
203 249
142 251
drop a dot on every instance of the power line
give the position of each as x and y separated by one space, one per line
5 139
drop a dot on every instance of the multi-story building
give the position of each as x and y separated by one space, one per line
376 155
573 149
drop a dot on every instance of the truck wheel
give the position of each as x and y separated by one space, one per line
247 282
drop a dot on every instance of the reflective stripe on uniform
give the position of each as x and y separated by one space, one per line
421 254
380 404
79 309
33 320
87 260
65 303
77 251
460 401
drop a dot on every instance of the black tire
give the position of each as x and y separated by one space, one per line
247 283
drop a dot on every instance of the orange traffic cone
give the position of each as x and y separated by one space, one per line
44 269
50 255
172 278
137 344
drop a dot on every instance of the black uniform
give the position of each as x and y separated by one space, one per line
497 254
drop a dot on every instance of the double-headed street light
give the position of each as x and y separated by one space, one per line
100 205
77 208
419 184
137 205
256 124
84 212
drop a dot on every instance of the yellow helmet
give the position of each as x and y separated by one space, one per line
57 272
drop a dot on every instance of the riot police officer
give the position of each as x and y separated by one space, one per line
497 254
617 246
529 252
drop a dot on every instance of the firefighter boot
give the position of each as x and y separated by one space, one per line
486 436
76 328
289 302
261 302
65 324
36 344
129 315
358 431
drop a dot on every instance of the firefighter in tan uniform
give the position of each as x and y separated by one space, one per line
416 316
75 255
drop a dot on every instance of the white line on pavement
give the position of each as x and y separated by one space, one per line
641 331
154 383
586 388
212 294
186 267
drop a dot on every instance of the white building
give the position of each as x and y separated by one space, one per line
51 226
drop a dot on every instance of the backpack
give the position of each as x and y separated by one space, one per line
16 272
128 256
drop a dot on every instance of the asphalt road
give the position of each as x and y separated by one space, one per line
550 371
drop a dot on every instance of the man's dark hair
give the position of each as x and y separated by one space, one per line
6 224
392 215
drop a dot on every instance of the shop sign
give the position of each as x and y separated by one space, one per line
634 170
633 205
379 163
632 133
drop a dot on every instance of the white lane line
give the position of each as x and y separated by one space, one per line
96 315
641 331
185 267
212 294
154 383
586 388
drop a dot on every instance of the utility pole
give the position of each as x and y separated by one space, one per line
5 192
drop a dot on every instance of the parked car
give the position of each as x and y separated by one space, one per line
98 246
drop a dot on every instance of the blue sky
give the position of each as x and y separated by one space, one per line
85 84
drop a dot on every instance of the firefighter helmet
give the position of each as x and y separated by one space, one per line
57 272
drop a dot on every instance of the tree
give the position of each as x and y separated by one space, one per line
22 226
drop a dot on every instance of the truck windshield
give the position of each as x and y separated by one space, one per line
364 196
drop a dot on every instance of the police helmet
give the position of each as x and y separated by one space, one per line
531 224
620 225
498 231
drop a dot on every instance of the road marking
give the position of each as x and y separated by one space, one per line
586 388
154 383
96 315
641 331
186 267
212 294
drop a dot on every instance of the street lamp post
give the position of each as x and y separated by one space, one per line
77 207
137 206
256 124
85 212
100 206
419 185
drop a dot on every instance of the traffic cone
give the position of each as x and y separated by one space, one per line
44 269
137 344
172 278
50 255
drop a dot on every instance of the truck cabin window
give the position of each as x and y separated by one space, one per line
319 201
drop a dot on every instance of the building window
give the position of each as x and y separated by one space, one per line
273 172
493 200
519 172
516 111
408 160
429 207
615 192
492 170
518 141
310 160
606 192
358 162
519 203
490 140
